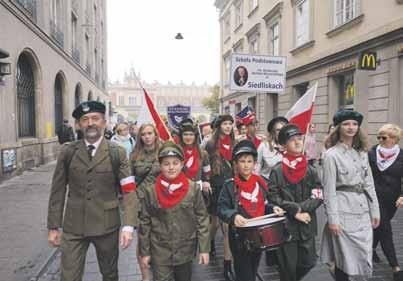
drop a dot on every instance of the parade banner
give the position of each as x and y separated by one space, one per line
256 73
176 114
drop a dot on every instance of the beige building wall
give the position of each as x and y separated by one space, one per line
330 52
128 98
29 28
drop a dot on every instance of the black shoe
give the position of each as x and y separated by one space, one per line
228 274
212 248
398 276
375 257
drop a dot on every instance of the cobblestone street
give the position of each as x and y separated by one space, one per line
25 254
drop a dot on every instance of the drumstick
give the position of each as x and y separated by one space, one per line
264 217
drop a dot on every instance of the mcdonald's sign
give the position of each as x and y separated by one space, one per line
367 61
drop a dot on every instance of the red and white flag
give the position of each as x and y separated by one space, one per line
150 111
159 123
301 113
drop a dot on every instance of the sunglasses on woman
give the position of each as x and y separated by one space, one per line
383 138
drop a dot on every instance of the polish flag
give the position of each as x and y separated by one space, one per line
149 114
159 123
301 113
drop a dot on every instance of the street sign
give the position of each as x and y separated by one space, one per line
256 73
368 61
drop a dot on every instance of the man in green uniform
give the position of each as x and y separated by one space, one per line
91 211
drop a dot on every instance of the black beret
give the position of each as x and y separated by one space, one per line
87 107
287 132
275 120
346 114
169 148
222 118
244 147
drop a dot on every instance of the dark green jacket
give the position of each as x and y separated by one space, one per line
228 203
147 169
92 205
226 172
169 235
294 197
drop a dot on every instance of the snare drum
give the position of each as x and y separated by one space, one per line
264 234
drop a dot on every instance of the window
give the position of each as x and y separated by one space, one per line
55 11
87 53
344 10
275 39
25 97
254 45
253 4
346 89
132 100
121 100
227 26
238 13
252 103
73 32
238 107
300 90
302 23
226 110
227 65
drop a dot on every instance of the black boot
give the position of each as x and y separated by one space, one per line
398 276
212 248
228 274
375 257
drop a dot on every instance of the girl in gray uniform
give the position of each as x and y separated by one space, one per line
350 201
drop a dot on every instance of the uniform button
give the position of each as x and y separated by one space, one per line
88 199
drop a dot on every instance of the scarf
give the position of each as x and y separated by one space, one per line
225 147
251 197
171 193
385 157
294 167
192 160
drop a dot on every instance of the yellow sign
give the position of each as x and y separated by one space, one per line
350 92
342 67
368 61
49 130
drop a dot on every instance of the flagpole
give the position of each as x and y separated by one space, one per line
162 121
309 124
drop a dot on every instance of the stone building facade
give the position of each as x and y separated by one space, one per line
324 42
57 55
128 98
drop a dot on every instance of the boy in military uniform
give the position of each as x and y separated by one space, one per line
296 188
92 209
172 216
245 196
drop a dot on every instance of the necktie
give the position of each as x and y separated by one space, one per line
90 150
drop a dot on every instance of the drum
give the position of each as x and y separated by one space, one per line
264 234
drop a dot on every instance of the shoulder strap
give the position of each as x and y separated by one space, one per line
71 149
115 160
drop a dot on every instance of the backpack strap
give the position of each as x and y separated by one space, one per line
115 161
71 149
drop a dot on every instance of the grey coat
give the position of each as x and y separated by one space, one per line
352 250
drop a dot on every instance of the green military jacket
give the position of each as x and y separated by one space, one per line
169 235
293 197
146 170
92 206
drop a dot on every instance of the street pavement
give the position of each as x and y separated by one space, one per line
26 256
